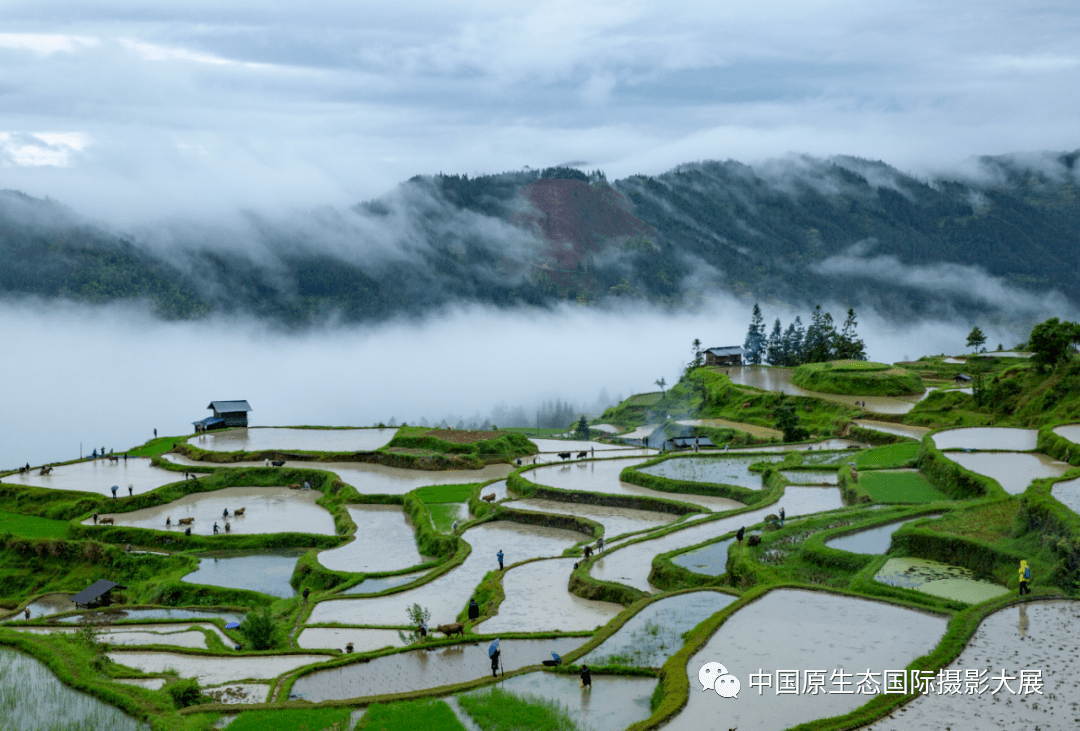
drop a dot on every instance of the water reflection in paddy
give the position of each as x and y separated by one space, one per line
872 541
603 476
448 595
809 477
616 521
988 437
336 638
374 586
1067 493
180 635
655 633
99 476
33 698
631 564
538 600
267 510
792 629
384 541
1069 431
710 560
887 427
553 446
613 704
47 604
267 572
714 469
1034 635
422 669
1013 470
107 616
214 670
257 439
938 579
779 380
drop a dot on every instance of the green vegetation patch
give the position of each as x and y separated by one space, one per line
899 487
500 710
156 446
30 526
444 493
410 715
292 719
857 378
889 456
443 515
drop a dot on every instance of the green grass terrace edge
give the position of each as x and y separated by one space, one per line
744 495
521 485
1042 514
857 378
955 481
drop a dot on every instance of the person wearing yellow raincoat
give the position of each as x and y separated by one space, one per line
1025 577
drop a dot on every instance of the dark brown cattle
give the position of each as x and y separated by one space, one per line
489 498
105 521
583 455
564 455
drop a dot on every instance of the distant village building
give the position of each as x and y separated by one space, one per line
963 378
226 413
730 355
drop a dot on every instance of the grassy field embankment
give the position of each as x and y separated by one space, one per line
857 378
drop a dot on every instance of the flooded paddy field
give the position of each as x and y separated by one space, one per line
887 427
375 585
267 510
1067 493
614 703
874 540
794 629
988 438
267 572
1038 635
448 595
1069 431
1014 471
655 633
809 477
538 600
421 669
723 470
214 670
631 564
761 432
336 638
257 439
938 579
240 693
710 560
385 540
180 635
99 476
114 614
616 521
31 697
554 446
46 605
778 380
603 476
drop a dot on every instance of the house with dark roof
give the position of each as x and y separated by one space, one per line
232 413
729 355
97 594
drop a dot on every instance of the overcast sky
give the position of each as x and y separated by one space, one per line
128 110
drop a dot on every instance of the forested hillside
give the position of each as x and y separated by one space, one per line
1003 240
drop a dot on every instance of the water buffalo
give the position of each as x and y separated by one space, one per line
583 455
457 628
278 463
105 521
489 498
238 512
114 458
564 455
185 521
753 541
46 470
296 486
228 527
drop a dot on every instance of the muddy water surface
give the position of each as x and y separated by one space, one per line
180 635
721 470
887 427
256 439
1068 494
790 629
384 541
336 638
374 586
554 446
710 560
779 380
108 616
267 572
240 693
872 541
99 476
1013 470
603 476
538 600
631 564
938 579
421 669
267 510
210 670
45 605
1069 431
1031 636
614 703
448 595
988 437
655 633
616 521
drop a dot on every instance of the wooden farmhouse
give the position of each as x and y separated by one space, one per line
97 594
234 413
730 355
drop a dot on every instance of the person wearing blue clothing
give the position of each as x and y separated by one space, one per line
215 529
499 556
781 516
95 453
114 489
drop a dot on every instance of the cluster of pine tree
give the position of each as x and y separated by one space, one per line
797 345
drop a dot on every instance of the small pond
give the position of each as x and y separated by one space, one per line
422 669
266 510
1030 636
715 470
115 614
616 521
938 579
99 476
793 629
538 600
986 438
375 585
214 670
257 439
33 698
810 477
1067 493
267 572
336 638
384 541
655 633
614 703
1014 471
872 541
710 560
